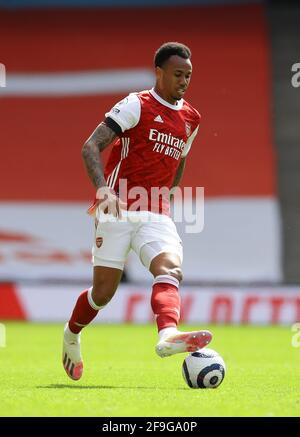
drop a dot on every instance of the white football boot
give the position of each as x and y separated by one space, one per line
71 356
173 342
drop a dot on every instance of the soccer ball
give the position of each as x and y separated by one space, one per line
204 368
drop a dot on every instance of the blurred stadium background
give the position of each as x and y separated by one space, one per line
67 63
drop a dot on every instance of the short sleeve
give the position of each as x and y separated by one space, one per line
127 112
189 142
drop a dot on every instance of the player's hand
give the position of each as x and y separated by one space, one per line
107 201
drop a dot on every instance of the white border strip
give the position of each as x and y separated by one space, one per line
203 305
81 83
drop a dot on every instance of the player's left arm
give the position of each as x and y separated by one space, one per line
179 173
180 169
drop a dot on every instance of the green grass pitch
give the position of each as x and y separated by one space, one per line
124 377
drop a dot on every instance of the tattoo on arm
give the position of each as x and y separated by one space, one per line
98 141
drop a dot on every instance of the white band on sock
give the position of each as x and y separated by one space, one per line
167 332
69 335
91 302
166 279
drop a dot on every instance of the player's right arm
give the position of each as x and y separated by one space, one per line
123 116
102 137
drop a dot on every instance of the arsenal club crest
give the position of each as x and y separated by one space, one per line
99 241
188 129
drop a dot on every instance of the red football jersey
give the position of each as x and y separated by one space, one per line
155 136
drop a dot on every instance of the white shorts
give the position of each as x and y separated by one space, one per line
147 233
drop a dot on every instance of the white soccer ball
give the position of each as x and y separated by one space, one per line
204 368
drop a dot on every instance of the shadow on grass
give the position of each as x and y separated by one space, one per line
106 387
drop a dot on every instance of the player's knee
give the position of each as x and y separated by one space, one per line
177 273
101 294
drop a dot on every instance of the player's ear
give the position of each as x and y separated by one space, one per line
158 73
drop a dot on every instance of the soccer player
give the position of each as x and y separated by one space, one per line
152 132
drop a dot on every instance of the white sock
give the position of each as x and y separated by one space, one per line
167 332
70 337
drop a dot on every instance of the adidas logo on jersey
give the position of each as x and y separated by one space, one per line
159 119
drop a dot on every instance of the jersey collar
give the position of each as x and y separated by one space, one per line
163 102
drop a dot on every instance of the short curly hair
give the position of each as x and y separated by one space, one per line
169 49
